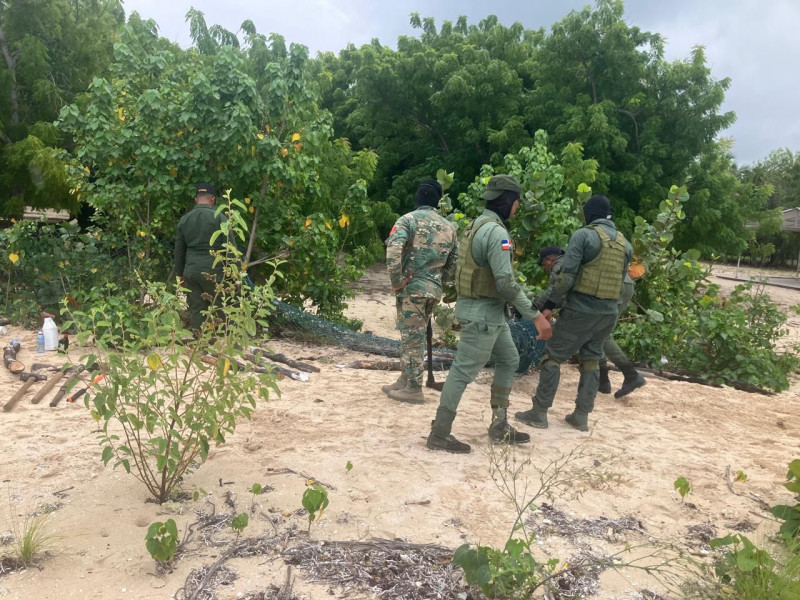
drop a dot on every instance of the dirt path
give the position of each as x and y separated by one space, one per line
396 488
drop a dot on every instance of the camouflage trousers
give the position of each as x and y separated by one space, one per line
413 314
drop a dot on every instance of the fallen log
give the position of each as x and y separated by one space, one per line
10 358
281 358
47 387
5 321
20 393
282 371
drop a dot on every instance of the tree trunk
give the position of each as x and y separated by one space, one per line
11 63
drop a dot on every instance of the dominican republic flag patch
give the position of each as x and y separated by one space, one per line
506 245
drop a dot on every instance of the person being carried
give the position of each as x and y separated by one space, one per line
590 282
552 259
193 259
485 284
421 254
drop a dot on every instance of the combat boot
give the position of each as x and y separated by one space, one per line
440 438
579 420
536 417
633 380
500 431
605 383
406 394
397 385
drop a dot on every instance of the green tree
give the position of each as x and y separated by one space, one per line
242 115
606 85
50 50
722 210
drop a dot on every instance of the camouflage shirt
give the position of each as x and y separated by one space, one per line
421 252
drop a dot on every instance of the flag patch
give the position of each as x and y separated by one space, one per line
391 233
506 245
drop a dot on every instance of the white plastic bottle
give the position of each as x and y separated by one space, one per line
50 330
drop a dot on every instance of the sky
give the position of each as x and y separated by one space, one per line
753 42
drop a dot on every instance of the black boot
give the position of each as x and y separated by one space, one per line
500 431
632 381
440 438
605 383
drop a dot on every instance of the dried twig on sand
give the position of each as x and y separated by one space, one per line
390 569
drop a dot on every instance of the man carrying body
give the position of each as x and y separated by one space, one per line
590 282
485 284
552 259
421 252
193 258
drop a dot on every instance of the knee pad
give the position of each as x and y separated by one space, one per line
589 365
546 358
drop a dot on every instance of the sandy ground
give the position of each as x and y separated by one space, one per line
50 461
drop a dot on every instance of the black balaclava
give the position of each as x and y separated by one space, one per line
597 207
503 203
428 193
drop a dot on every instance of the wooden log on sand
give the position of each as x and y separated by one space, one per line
10 359
20 393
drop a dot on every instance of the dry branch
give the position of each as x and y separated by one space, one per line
281 358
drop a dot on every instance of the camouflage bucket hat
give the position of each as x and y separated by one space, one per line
499 184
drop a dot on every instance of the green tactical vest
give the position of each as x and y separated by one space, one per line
473 281
602 276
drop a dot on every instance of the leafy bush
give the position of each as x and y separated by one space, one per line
751 573
42 264
187 392
680 317
790 515
315 501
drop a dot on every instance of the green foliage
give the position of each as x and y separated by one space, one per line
445 318
161 540
790 515
54 263
169 404
512 572
751 573
50 52
242 114
315 500
32 537
240 522
681 318
683 486
348 467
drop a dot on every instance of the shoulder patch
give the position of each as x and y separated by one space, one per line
506 245
391 233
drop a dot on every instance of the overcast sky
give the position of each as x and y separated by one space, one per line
754 42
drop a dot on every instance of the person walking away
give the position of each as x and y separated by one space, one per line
485 284
193 258
590 281
552 259
421 254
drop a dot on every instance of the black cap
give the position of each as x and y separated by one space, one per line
549 251
205 188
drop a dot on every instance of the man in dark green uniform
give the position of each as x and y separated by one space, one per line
552 259
193 258
590 282
485 284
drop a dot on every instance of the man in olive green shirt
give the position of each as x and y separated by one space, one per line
590 281
193 258
485 284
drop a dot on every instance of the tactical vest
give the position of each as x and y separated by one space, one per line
473 281
602 276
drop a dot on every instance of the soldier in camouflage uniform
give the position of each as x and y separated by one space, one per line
552 259
486 284
421 253
193 258
590 282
